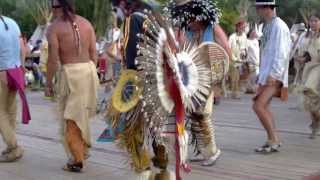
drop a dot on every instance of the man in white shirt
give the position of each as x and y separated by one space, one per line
274 65
239 47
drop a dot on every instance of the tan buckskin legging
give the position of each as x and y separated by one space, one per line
234 80
8 113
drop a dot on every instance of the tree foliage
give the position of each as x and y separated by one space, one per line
14 9
98 12
29 13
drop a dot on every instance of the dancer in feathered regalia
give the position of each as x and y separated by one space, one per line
162 84
200 19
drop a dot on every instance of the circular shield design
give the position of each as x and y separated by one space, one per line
127 92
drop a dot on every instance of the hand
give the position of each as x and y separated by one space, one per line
3 77
24 70
49 91
271 81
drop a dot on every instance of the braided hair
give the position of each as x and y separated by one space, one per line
5 24
68 9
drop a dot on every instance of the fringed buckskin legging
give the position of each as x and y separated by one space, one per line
203 129
75 142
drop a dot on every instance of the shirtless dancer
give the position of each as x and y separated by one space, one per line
72 41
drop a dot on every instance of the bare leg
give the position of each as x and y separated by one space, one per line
261 108
271 115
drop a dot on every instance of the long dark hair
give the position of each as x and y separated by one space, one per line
68 9
317 15
5 24
252 29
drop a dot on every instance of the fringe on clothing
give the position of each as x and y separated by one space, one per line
77 98
311 87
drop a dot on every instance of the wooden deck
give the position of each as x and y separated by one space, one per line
237 130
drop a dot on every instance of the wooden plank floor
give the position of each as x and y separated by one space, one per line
237 131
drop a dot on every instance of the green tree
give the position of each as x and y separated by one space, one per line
38 9
30 13
98 12
229 14
15 10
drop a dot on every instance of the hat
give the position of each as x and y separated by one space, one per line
266 3
184 11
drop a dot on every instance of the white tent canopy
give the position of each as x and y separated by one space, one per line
39 34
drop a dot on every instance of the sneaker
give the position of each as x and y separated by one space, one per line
6 151
146 174
197 158
73 167
12 156
213 159
268 148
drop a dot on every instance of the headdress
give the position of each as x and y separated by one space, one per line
184 11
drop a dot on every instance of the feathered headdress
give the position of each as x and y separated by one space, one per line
184 11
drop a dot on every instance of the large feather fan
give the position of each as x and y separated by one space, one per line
190 69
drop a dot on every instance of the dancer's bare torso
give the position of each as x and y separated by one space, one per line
65 41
